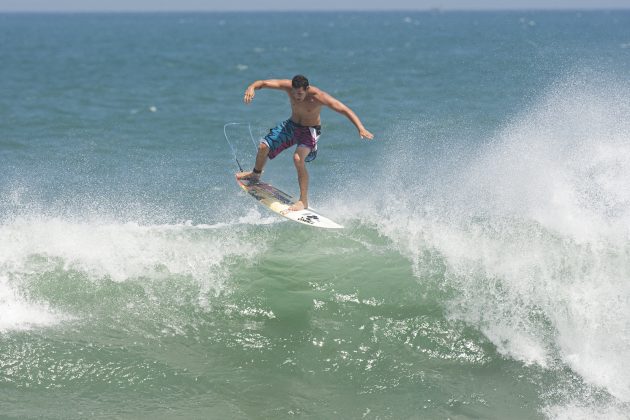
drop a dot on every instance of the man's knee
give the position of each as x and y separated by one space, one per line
298 160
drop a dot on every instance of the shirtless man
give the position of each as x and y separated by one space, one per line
303 128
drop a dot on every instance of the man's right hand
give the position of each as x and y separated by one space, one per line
249 95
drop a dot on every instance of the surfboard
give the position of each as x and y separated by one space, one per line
279 202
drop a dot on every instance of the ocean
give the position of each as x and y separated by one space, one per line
484 268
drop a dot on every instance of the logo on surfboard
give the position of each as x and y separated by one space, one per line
309 218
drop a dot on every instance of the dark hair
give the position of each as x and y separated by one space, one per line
299 81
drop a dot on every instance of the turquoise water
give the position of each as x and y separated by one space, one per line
483 271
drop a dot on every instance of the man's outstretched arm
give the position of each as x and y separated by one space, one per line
338 106
269 84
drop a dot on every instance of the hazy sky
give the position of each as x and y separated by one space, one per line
275 5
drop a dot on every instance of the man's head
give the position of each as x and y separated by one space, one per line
299 86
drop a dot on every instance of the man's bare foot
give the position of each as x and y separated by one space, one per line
297 206
248 176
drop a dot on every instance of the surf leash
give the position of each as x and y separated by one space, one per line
227 138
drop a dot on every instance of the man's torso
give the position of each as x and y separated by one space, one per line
307 112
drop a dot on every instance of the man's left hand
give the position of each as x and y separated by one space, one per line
365 134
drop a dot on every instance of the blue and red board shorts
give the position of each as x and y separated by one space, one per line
288 133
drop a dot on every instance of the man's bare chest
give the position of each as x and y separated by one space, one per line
306 107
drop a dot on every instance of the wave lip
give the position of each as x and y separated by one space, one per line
20 315
31 249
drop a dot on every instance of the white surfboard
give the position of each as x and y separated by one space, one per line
279 202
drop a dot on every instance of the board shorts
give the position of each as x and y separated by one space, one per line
288 133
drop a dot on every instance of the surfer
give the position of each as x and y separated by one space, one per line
303 128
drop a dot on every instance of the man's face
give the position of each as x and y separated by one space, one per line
299 94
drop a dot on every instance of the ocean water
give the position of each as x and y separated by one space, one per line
484 271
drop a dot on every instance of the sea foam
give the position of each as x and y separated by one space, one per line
110 251
530 231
